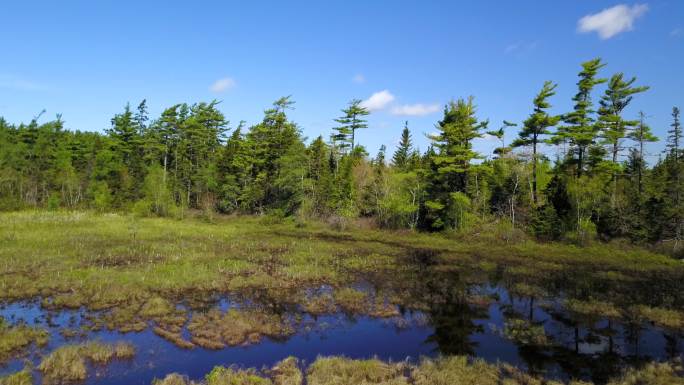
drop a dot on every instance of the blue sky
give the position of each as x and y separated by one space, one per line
86 60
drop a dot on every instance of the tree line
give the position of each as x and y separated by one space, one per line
188 158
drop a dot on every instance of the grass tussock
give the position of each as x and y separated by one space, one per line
287 372
653 374
14 340
226 376
23 377
453 370
343 371
667 318
69 362
237 327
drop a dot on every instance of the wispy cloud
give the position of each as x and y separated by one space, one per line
222 85
378 101
417 109
16 83
520 47
677 32
612 21
359 79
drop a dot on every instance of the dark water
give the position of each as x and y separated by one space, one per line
443 312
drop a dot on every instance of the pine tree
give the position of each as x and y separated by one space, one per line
641 134
536 126
401 156
675 134
501 135
450 163
674 180
351 121
616 98
581 128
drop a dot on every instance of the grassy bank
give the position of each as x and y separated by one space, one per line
342 371
140 268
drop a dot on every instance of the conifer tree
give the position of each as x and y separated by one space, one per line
401 156
453 152
641 134
500 134
536 126
351 121
617 97
581 128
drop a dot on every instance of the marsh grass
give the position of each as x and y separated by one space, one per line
452 370
342 371
14 340
227 376
129 274
69 362
237 327
653 374
23 377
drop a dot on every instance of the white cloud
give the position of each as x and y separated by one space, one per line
418 109
222 85
378 100
520 47
612 21
359 79
677 32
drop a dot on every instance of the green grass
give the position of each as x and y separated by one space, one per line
22 377
15 340
455 370
69 362
131 273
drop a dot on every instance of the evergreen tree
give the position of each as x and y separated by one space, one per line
450 164
581 128
617 97
641 134
536 126
402 155
351 121
500 134
674 138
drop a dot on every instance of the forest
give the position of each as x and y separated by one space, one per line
190 159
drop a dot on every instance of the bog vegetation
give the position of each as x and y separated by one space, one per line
189 158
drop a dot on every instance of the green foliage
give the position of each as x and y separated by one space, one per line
537 125
189 162
351 121
581 129
448 179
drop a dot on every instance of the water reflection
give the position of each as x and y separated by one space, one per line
420 308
